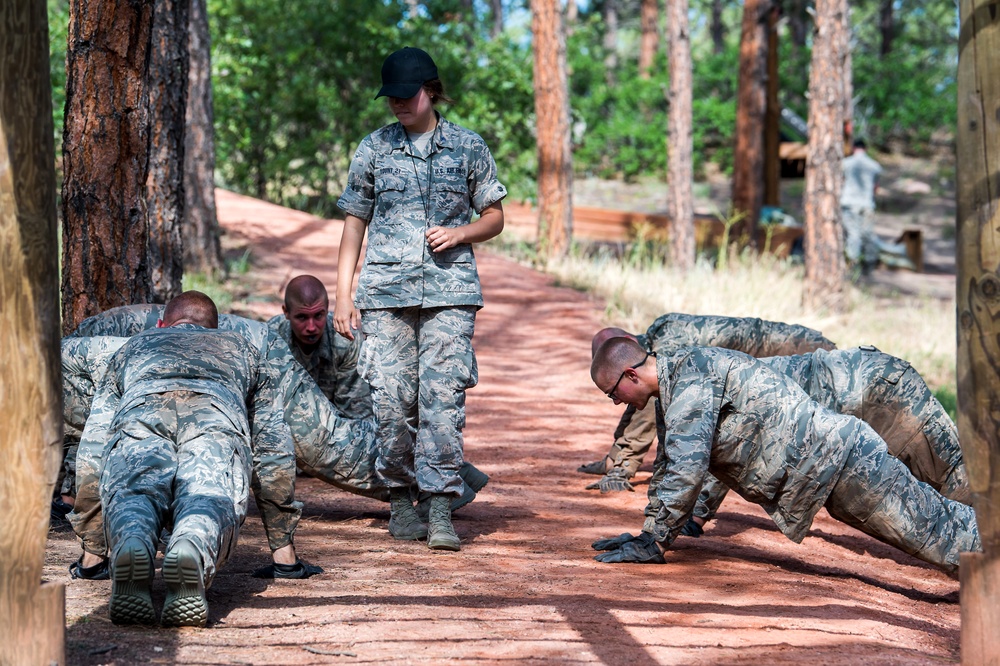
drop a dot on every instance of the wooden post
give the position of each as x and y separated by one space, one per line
32 616
978 304
772 116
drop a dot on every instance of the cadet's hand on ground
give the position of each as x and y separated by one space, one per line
298 570
692 529
616 480
612 543
640 550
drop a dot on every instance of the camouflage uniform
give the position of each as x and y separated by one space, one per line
171 425
756 337
857 208
333 365
890 396
273 478
759 433
418 306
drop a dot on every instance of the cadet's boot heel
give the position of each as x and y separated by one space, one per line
131 580
186 604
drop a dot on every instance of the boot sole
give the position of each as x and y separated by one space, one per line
131 580
186 604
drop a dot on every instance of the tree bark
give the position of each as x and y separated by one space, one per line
611 42
105 158
649 20
798 23
680 170
978 302
496 14
555 166
824 279
717 28
572 14
32 615
202 249
748 159
168 84
772 116
886 26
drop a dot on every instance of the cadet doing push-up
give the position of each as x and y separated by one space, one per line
728 414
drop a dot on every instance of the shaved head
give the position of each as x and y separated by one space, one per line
191 307
613 357
606 334
305 290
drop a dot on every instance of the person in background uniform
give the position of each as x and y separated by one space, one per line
857 208
413 186
171 417
728 414
637 429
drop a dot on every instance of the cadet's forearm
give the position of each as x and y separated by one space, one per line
348 256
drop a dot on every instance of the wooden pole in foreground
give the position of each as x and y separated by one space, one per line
978 304
32 613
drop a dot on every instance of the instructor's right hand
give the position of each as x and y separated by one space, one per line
346 318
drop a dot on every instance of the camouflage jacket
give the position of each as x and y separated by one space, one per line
123 321
401 195
728 414
756 337
84 362
231 367
333 365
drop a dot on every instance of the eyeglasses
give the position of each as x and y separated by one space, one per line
611 393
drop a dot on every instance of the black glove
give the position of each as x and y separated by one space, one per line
612 543
640 550
692 529
616 480
298 570
98 571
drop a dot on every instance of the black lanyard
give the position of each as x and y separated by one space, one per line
425 200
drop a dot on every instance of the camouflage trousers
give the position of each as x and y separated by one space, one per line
176 461
860 242
419 362
331 447
918 431
633 437
877 494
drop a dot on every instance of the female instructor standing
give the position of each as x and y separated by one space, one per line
414 185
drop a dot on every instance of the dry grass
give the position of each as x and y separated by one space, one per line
919 330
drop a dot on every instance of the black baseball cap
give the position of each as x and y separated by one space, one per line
405 71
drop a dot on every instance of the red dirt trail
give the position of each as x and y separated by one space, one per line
525 588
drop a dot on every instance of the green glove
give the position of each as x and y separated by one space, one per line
640 550
616 480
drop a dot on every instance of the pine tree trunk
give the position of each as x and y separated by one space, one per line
978 300
32 614
680 171
105 158
555 166
611 42
824 278
772 116
168 83
717 28
649 19
496 14
202 249
886 26
748 158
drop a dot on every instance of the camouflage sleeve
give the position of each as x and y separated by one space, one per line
273 479
710 498
359 197
353 394
689 423
484 188
780 339
86 517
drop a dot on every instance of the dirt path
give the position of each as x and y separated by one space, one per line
524 587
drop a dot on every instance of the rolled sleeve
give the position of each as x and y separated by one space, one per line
359 197
483 184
